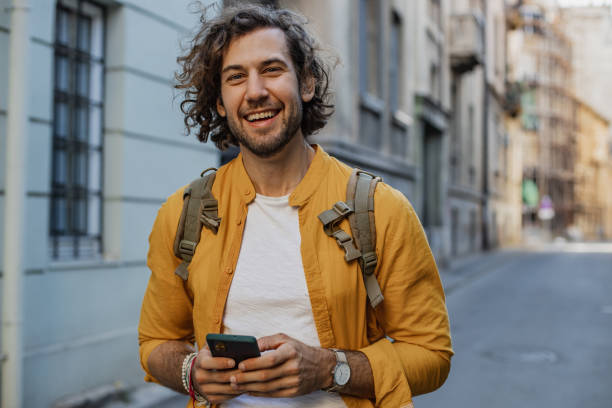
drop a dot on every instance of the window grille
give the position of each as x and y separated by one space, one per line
76 179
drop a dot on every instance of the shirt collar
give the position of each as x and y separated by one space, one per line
304 190
312 179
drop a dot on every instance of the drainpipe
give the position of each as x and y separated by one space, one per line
14 204
485 134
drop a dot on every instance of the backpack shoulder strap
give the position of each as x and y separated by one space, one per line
360 195
359 209
199 209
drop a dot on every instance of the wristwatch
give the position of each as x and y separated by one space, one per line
341 372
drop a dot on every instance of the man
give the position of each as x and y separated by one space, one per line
253 78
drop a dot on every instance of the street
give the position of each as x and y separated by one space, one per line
530 328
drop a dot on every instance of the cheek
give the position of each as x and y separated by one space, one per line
229 98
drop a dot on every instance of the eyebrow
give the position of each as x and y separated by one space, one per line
266 63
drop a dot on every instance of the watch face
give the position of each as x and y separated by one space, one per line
342 374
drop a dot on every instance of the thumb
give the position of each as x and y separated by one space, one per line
272 342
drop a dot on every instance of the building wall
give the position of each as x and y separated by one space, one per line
466 139
80 314
540 58
591 28
592 174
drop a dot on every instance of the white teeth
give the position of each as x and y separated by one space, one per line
260 115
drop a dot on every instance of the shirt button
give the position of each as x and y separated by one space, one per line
217 320
238 221
247 192
228 270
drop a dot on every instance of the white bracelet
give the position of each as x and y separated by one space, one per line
185 372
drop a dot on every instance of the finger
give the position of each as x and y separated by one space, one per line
283 393
268 360
201 376
272 386
272 342
256 376
219 389
207 362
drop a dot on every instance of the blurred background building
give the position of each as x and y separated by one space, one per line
490 116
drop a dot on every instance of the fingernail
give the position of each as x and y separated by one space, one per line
241 366
233 379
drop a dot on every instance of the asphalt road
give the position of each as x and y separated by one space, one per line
530 329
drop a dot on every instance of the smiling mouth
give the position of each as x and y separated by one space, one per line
261 116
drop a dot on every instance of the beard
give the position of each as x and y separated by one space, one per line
266 145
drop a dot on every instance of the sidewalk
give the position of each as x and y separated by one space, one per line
464 270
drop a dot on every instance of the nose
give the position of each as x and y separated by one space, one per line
256 88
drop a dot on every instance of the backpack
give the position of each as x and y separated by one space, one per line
200 210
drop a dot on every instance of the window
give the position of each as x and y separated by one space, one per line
399 129
434 51
76 179
435 12
372 106
395 66
371 45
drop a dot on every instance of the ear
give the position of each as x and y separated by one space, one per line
308 88
220 108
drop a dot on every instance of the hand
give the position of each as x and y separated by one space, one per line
210 377
291 369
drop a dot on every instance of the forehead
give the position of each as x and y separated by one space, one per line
257 46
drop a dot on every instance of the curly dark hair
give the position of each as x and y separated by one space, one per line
200 74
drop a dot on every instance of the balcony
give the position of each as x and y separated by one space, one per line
466 42
512 99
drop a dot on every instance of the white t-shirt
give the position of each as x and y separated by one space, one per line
268 294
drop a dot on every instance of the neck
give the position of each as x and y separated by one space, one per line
279 175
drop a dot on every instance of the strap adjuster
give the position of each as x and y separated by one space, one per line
369 261
342 208
187 247
209 205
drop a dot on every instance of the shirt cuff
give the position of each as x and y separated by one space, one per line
390 384
146 349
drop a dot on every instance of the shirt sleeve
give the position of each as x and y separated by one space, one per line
166 312
415 354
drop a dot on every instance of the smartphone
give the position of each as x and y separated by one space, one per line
236 347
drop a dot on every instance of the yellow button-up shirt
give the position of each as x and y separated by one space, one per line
413 313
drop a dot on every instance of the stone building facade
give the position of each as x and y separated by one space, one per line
540 58
105 147
593 220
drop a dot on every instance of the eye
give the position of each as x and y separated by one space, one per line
234 77
272 69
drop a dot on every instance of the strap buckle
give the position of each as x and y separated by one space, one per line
187 247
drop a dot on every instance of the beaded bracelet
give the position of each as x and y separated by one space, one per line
185 375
